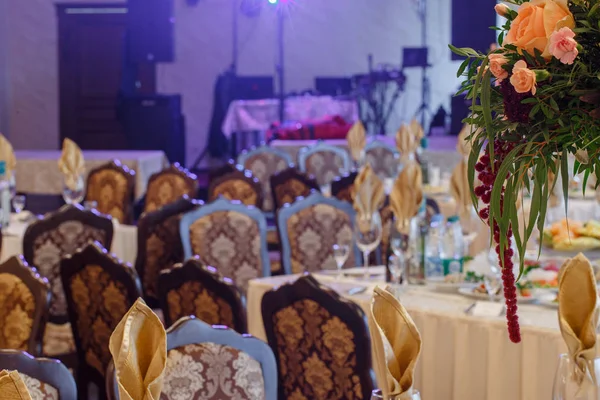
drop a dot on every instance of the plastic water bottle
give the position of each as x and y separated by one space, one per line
434 268
4 196
453 247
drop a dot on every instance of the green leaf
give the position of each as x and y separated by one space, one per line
462 67
501 38
554 105
586 175
565 176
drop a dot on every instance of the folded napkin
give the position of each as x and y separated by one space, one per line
407 195
417 130
463 144
7 154
396 345
71 163
459 189
139 349
369 193
553 198
578 314
406 142
12 386
357 140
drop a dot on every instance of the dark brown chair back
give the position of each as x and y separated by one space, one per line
44 378
239 185
321 342
112 187
99 291
228 167
159 244
341 188
192 288
24 304
169 185
290 184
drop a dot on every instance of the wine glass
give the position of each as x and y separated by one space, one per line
399 244
12 184
377 395
90 205
367 232
571 383
18 203
340 254
73 190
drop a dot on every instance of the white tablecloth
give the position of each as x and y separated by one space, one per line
463 357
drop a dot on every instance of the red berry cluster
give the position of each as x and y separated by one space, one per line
514 109
487 176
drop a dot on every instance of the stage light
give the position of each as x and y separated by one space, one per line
273 1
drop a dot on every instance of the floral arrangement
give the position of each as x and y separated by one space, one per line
536 100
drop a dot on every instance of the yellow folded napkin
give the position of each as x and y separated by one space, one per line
406 142
463 144
7 154
369 193
357 140
578 314
417 130
396 344
459 189
71 163
553 199
139 349
12 386
407 195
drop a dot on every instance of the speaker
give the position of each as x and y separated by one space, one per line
332 86
471 22
150 31
154 123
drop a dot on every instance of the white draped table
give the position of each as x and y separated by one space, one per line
463 357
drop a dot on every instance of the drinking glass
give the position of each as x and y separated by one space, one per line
571 383
18 203
367 232
400 246
90 205
73 191
340 254
12 184
377 395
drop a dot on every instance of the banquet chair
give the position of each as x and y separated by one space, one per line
224 169
24 301
45 243
194 289
112 186
212 363
229 236
44 378
431 207
159 244
341 187
383 158
237 185
264 162
324 162
169 185
309 228
387 218
320 340
289 184
99 289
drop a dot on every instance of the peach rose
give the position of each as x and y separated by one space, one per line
501 9
496 63
536 21
563 45
523 79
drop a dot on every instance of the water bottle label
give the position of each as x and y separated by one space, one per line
452 266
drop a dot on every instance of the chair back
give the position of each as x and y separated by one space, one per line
239 185
289 184
324 161
320 340
264 162
229 236
24 303
341 187
384 159
44 378
309 228
159 244
112 187
194 289
169 185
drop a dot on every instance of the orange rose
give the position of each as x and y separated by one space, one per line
536 21
496 63
523 79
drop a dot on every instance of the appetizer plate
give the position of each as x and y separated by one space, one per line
468 292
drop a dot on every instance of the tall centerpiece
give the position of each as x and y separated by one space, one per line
536 100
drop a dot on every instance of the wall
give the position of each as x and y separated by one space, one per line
322 38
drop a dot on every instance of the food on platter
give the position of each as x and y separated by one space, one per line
569 235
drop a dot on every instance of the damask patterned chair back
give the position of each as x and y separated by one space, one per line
169 185
45 379
194 289
264 162
229 236
237 185
99 291
24 303
384 159
325 162
387 218
45 243
159 244
290 184
341 187
309 228
320 340
112 187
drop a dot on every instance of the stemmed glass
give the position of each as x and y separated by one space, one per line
570 383
367 232
73 190
18 203
493 280
399 244
377 395
340 254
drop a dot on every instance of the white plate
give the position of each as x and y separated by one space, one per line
357 272
468 292
446 287
548 304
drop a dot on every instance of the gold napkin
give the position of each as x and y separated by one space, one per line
578 313
406 142
463 144
139 349
71 163
407 195
396 344
368 192
417 130
357 140
459 189
553 199
7 154
12 386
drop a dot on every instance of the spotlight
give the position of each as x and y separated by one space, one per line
273 1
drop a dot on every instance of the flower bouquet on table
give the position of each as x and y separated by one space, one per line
536 100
